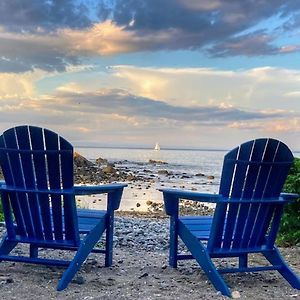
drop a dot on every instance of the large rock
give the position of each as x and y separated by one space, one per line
163 172
158 162
109 169
80 161
101 161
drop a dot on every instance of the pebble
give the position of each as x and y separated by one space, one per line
236 294
78 280
143 275
141 233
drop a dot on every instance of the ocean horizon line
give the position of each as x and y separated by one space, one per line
162 149
150 148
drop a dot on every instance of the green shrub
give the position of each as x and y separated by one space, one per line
289 232
1 212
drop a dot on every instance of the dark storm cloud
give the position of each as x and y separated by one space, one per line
29 15
133 106
197 24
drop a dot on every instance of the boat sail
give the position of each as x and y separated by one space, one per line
157 147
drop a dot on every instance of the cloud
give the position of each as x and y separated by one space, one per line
19 86
274 125
259 88
293 94
134 109
130 108
117 117
32 16
25 52
216 26
21 52
254 44
49 36
189 102
56 51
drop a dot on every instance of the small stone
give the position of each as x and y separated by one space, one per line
6 279
78 280
200 175
144 275
236 294
138 205
9 280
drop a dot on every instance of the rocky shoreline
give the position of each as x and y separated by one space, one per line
142 193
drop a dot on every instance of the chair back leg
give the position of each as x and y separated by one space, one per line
275 258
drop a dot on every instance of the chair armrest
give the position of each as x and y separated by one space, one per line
114 193
98 189
289 196
190 195
172 196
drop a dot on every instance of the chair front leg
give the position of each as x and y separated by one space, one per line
172 209
173 251
113 202
109 239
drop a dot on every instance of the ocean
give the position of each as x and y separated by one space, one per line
188 169
197 170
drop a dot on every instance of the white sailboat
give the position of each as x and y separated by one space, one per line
157 147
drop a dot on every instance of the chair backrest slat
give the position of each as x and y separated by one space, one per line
33 158
54 177
39 162
220 210
19 201
23 138
67 182
255 170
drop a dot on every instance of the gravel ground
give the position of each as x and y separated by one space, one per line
140 271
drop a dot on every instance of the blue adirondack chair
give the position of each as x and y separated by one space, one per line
248 210
38 199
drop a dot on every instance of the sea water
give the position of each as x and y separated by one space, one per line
197 170
186 169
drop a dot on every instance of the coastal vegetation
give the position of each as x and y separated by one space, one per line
289 233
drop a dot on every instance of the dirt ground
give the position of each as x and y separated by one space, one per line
141 275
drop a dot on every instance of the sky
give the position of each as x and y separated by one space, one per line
184 73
